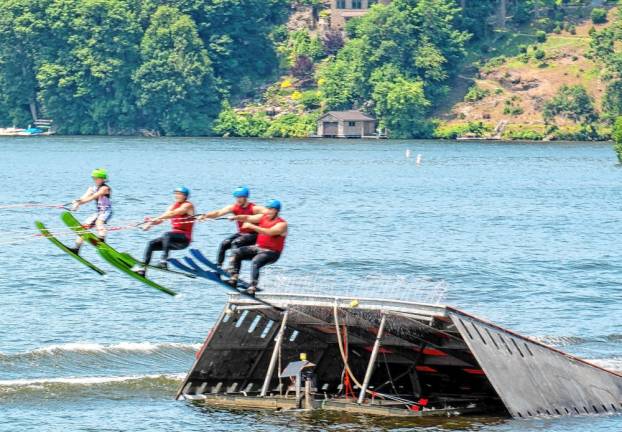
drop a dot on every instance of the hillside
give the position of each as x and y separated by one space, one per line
537 69
500 88
508 93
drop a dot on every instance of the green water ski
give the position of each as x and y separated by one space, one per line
131 261
48 235
121 261
115 261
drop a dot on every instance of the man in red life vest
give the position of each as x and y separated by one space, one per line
244 236
181 214
271 231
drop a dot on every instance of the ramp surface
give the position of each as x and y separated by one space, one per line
533 379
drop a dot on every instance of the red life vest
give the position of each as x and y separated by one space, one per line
273 243
182 224
239 210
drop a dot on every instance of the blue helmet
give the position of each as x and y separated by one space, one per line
242 192
184 190
274 204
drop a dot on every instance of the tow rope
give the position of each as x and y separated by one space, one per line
414 406
19 236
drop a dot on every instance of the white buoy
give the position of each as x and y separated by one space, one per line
408 153
419 159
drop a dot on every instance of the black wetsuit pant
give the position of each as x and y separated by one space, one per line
260 258
168 242
233 242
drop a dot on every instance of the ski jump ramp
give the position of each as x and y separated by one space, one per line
386 357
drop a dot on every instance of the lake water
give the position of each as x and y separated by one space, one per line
525 235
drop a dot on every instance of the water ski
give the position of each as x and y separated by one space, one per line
213 266
116 261
191 266
121 261
48 235
131 261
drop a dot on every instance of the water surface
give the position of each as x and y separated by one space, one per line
525 235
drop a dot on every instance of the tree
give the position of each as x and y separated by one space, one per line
523 12
474 14
612 101
617 138
177 91
418 38
22 34
606 47
333 42
400 103
599 16
342 79
89 65
302 68
572 102
301 43
237 35
85 78
230 123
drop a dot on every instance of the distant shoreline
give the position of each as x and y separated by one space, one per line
317 139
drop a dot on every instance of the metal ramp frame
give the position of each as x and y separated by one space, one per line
526 378
533 379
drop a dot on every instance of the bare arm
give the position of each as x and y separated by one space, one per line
184 209
217 213
88 196
279 229
257 209
248 218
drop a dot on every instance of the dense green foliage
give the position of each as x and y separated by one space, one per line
232 123
476 93
474 129
117 66
572 102
599 16
177 67
397 60
176 85
523 133
617 138
606 46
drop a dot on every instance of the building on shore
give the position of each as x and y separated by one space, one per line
342 10
346 124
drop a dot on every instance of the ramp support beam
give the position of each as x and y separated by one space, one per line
275 355
372 360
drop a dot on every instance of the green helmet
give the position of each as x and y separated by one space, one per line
99 173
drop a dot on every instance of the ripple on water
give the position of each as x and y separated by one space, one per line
524 235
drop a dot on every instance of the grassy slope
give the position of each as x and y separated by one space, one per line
526 84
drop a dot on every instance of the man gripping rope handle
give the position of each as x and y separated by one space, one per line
244 236
271 231
101 194
182 216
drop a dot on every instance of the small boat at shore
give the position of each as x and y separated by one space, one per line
30 131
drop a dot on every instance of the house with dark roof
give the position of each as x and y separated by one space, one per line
346 124
343 10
